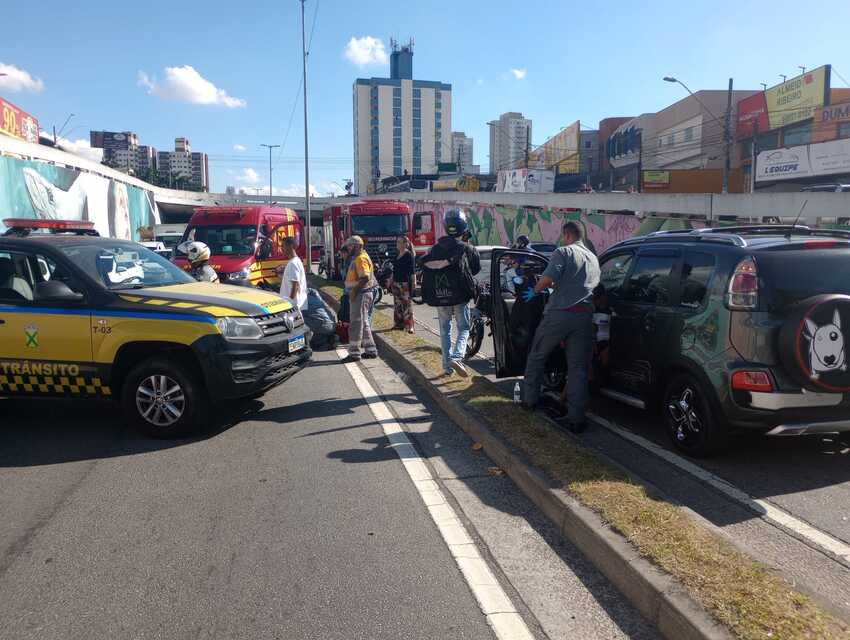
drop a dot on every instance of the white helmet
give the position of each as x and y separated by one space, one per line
196 252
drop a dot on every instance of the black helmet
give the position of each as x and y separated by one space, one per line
454 222
522 242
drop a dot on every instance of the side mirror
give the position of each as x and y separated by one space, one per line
264 251
55 291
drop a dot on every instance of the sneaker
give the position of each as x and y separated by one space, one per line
370 356
460 368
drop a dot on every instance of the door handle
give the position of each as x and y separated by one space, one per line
2 321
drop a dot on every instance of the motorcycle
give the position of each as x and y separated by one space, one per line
384 275
480 318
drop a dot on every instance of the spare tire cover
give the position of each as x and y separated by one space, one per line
814 342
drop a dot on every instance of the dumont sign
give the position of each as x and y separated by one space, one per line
806 161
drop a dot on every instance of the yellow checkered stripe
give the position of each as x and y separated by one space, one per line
65 385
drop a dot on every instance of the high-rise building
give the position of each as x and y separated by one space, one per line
122 151
183 167
400 124
510 141
462 151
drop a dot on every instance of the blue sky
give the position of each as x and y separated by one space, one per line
575 61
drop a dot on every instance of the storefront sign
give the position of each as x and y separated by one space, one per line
797 99
783 164
752 116
17 123
656 179
834 113
825 158
830 157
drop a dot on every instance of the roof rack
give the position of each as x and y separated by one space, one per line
22 227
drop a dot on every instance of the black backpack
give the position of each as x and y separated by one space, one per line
448 281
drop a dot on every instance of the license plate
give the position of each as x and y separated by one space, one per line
296 344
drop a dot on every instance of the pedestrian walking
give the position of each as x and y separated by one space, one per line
359 285
448 284
573 273
403 285
293 284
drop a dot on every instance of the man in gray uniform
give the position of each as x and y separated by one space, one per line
573 272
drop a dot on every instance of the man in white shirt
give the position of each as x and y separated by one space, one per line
293 285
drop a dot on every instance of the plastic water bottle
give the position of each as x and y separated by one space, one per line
517 394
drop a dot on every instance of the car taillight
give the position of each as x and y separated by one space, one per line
752 381
743 290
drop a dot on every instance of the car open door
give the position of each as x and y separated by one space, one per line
514 319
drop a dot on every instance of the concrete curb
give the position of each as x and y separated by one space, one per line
659 598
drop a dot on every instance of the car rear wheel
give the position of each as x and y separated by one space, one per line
163 399
688 416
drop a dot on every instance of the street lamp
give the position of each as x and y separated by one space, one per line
727 127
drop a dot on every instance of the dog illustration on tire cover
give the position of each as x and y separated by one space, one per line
826 346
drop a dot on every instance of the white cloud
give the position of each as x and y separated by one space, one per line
185 84
366 51
249 176
14 79
80 147
239 147
519 74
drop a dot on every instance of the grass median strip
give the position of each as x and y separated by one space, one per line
747 597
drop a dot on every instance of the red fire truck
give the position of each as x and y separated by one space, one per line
246 242
379 223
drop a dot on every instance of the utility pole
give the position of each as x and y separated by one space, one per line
270 147
755 152
306 146
640 163
727 139
527 145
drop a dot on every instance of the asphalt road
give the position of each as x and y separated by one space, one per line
807 477
292 518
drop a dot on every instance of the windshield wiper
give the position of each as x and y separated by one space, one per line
120 287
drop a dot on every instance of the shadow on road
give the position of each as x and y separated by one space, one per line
39 431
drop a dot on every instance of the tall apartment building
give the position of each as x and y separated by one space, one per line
400 124
122 151
462 151
510 140
183 166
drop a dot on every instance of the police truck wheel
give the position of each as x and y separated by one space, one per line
163 399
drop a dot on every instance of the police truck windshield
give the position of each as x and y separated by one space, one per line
226 240
377 225
124 265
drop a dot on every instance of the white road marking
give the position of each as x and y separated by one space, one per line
767 510
764 508
497 607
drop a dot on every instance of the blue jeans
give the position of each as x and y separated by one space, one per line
460 312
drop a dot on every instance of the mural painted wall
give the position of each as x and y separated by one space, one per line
500 226
44 191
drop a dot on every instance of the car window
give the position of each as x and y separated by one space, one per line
614 270
21 273
697 269
650 281
124 265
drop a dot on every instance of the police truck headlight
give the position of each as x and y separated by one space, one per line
239 328
242 274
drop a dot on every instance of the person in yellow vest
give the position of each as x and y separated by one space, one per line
360 283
